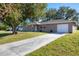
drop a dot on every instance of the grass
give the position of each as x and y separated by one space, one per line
67 45
4 33
6 37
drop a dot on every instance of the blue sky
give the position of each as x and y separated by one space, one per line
57 5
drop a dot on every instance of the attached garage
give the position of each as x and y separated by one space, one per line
62 28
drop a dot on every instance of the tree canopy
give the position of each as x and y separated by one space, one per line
63 12
14 14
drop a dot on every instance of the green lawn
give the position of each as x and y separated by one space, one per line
67 45
6 37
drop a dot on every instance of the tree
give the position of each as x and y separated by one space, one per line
66 12
63 12
14 14
71 13
40 11
51 14
12 17
33 11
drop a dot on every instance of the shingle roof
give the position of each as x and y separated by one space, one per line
54 22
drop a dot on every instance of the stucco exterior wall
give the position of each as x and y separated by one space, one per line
28 28
48 27
72 27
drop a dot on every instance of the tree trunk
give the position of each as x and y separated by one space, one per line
14 31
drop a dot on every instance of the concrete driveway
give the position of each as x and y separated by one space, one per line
26 46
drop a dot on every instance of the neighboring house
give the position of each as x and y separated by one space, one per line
55 26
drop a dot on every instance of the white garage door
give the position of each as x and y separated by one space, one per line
62 28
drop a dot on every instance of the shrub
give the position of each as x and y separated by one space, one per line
3 27
77 27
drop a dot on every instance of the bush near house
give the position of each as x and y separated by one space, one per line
3 27
77 27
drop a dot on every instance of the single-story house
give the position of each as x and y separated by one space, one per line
55 26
